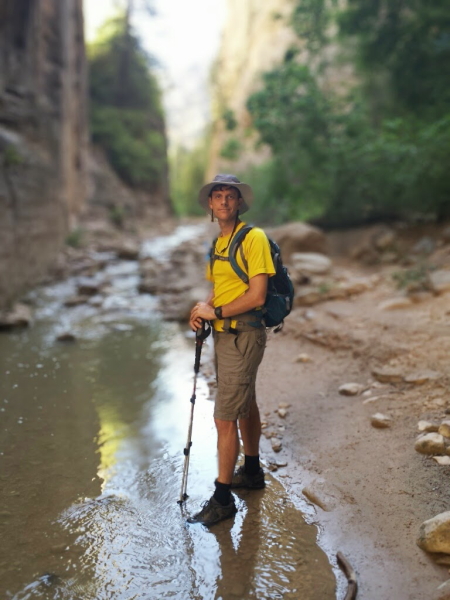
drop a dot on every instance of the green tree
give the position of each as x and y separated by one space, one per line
127 118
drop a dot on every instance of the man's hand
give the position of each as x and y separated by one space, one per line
201 311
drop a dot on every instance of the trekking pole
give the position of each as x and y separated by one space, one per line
200 336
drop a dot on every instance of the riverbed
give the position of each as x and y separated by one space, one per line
91 459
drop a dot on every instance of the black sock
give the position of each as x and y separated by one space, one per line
251 464
222 493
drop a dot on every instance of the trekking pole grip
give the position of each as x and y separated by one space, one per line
200 336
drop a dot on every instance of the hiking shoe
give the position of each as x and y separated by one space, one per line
213 512
241 479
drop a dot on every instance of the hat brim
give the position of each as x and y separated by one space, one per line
244 188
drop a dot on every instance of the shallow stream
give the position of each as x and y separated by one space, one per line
91 457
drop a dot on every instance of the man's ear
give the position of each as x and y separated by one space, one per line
210 202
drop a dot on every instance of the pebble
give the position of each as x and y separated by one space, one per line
442 460
380 421
282 412
303 358
395 303
430 443
351 389
276 445
372 399
67 336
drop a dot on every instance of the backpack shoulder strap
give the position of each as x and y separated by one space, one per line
235 245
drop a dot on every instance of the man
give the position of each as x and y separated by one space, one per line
239 342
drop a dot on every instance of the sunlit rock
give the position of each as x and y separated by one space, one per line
430 443
351 389
434 534
18 316
380 421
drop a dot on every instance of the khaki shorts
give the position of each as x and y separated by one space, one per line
237 358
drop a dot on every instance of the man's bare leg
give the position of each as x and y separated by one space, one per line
228 449
251 430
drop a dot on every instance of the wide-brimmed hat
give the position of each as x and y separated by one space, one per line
245 190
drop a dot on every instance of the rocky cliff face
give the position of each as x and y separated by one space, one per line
255 39
43 135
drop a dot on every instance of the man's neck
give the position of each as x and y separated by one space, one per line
226 227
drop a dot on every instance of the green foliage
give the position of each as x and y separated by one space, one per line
231 149
410 41
126 114
381 153
12 157
75 238
230 119
415 278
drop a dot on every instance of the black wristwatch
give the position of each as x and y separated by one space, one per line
218 312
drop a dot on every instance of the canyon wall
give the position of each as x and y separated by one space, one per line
255 40
43 135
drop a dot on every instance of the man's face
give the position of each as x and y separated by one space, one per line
225 203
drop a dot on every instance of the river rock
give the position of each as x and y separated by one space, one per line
434 534
298 237
276 444
427 427
308 296
430 443
442 460
444 429
395 303
18 316
87 286
387 375
322 494
310 263
66 336
380 421
128 250
351 389
439 281
420 377
303 358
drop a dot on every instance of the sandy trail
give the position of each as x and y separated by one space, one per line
373 487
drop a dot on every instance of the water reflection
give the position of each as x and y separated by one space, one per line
91 459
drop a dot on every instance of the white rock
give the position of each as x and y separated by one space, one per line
439 281
351 389
426 426
284 405
371 399
434 534
444 429
419 377
395 303
430 443
282 412
311 262
303 358
387 375
380 421
442 460
276 444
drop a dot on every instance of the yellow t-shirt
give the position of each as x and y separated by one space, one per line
227 284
